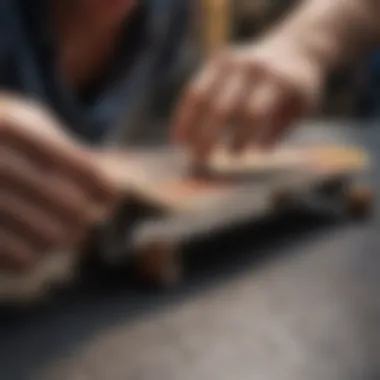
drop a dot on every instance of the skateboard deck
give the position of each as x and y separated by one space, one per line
164 178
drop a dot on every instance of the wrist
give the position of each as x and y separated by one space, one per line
295 65
320 48
324 47
333 32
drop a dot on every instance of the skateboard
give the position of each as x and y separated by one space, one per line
182 204
168 203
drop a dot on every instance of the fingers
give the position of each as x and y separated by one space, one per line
32 229
46 206
30 131
286 111
222 111
194 106
38 227
15 254
35 227
66 198
259 115
210 104
243 102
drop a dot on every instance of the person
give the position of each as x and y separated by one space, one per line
88 60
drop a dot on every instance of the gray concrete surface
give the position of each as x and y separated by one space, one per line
298 300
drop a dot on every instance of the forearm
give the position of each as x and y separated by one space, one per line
334 31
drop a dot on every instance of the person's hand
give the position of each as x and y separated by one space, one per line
51 189
249 94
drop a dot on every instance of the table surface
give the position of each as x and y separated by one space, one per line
298 300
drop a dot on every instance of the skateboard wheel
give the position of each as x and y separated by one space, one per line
282 199
160 264
359 202
333 188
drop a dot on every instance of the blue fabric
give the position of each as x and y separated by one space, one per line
28 62
370 97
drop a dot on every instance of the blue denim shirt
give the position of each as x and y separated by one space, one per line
373 86
148 51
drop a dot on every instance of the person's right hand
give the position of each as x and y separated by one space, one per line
251 93
51 189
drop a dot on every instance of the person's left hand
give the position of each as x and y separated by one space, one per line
52 187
